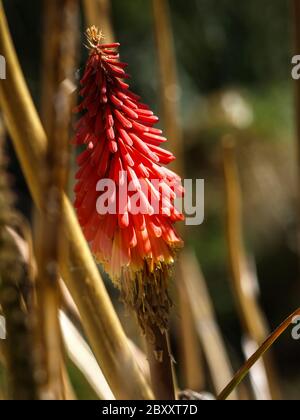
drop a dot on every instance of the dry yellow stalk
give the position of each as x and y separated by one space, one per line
80 272
253 320
170 103
59 68
205 321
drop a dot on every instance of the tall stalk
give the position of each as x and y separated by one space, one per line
59 62
160 362
204 317
170 103
265 346
170 88
251 315
80 272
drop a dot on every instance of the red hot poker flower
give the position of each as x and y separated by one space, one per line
121 144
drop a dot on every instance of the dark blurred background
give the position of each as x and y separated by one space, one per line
235 76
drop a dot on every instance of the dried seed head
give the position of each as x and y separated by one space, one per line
94 37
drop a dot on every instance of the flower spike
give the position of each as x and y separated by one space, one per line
130 226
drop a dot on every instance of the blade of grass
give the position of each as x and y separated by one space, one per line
80 272
82 357
257 374
70 310
69 393
191 354
243 372
205 321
